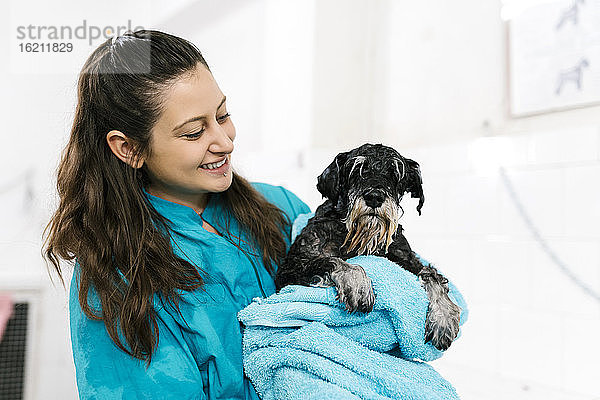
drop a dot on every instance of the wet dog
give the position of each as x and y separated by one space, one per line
360 216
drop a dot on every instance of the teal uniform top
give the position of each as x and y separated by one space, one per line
198 356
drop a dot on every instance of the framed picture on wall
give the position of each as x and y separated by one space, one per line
554 56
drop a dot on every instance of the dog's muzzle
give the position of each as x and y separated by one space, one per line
371 222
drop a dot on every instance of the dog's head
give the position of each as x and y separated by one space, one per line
366 185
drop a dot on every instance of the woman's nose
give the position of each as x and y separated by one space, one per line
222 142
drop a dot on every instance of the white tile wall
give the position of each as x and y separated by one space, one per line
532 329
530 345
540 191
580 355
553 290
565 146
470 203
582 201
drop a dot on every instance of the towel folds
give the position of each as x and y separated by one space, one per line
301 343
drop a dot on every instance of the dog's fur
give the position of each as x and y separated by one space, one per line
360 216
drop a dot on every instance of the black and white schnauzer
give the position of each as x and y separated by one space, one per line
363 188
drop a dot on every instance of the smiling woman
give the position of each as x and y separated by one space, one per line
169 241
181 166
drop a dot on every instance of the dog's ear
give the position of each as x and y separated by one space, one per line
414 182
328 183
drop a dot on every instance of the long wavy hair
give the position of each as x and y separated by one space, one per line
105 221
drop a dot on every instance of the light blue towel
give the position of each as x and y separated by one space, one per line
301 343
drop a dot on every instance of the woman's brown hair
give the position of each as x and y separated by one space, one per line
104 219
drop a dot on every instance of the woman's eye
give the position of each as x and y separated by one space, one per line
224 117
195 135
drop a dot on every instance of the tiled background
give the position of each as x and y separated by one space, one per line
530 333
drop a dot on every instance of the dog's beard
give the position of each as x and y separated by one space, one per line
368 229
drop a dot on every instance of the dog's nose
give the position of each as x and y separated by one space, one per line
374 198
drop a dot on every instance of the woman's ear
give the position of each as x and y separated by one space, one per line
122 147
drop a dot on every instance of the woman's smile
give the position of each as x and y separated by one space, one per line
217 168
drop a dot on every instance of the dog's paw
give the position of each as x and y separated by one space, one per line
442 323
354 287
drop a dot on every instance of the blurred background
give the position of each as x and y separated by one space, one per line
496 100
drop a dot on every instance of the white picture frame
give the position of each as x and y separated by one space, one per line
554 57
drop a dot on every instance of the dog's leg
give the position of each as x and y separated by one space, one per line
353 286
443 316
401 253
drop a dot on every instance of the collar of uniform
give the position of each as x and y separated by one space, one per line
183 216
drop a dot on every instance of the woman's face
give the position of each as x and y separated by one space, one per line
194 130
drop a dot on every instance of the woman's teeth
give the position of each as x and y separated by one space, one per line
214 165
